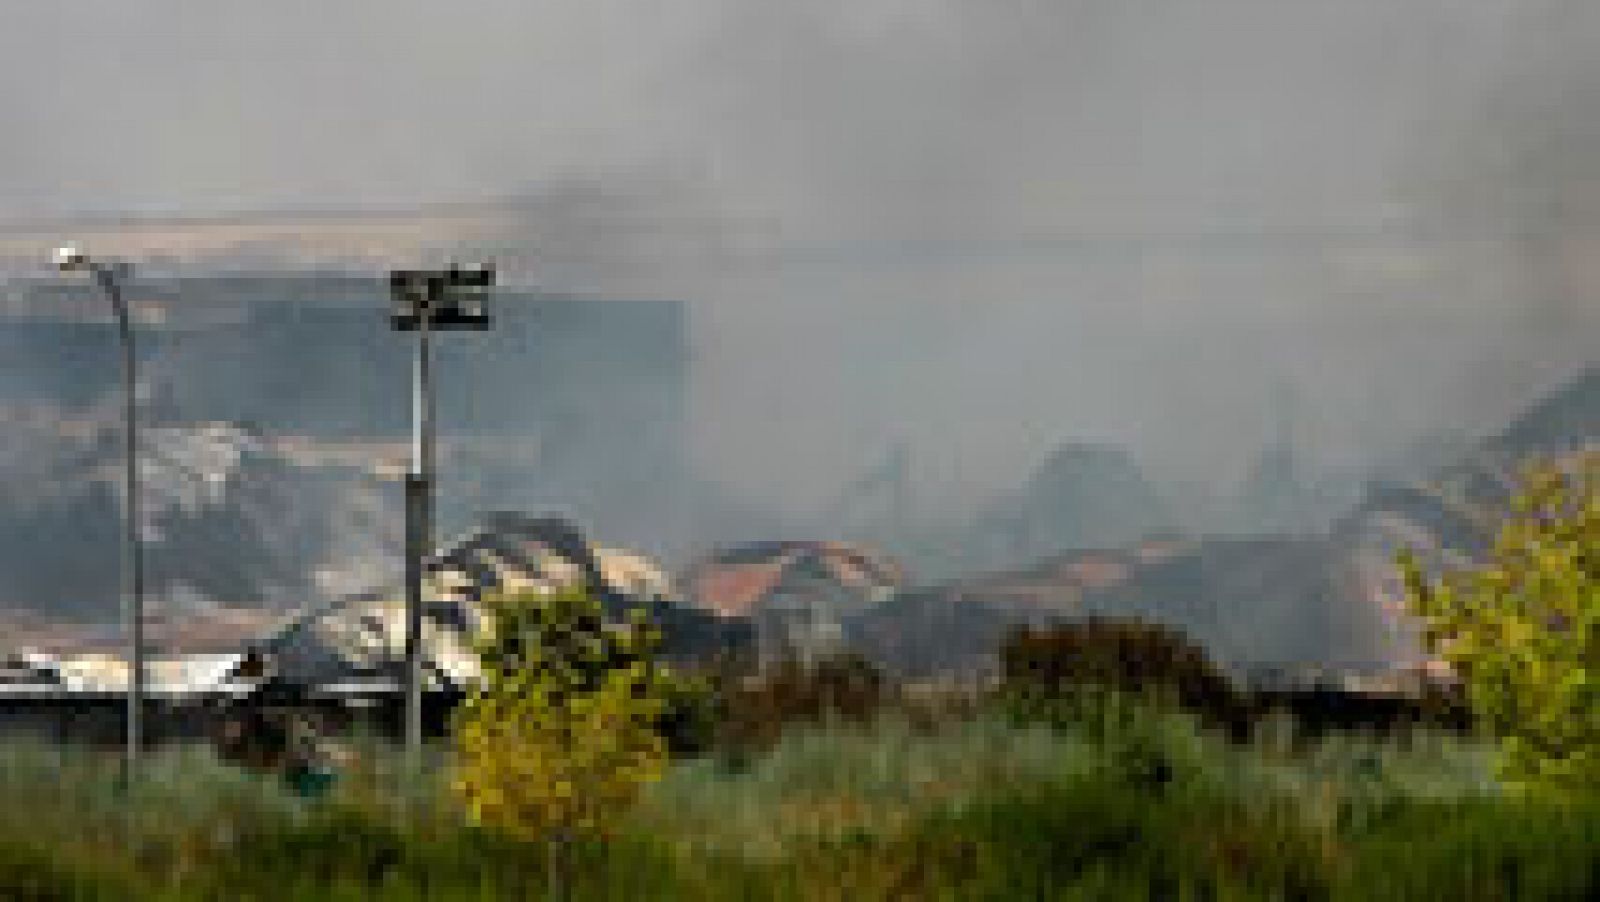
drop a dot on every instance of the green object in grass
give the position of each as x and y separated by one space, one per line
310 782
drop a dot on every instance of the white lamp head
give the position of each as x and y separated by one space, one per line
68 258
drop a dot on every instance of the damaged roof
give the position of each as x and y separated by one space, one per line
365 635
735 581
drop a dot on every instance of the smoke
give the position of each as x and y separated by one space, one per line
976 230
1134 222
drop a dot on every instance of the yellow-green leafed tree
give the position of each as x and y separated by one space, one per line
561 733
1523 630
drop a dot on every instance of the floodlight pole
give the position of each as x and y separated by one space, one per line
419 516
426 302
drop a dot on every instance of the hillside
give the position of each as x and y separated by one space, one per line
230 521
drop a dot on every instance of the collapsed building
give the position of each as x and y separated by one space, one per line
1083 495
349 655
275 409
363 637
798 596
1448 518
1267 610
1254 604
28 668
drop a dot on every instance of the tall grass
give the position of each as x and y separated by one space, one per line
834 783
1143 805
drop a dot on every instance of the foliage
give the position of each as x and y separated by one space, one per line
31 872
563 730
688 721
755 711
1072 670
1523 631
982 810
1142 803
823 783
1477 849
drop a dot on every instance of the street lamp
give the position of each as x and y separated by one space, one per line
109 275
424 302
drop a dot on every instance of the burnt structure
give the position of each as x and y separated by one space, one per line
308 354
570 404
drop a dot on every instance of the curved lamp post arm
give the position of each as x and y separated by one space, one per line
108 277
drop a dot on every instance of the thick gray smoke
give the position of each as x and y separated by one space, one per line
1136 221
970 230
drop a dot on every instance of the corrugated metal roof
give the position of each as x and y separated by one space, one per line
185 675
366 634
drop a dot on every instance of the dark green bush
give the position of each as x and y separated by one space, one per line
1066 670
688 722
755 711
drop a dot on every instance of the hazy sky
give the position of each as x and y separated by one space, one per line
985 226
867 116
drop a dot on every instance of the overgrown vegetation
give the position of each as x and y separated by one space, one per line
1101 768
754 710
565 726
1085 670
1523 630
982 809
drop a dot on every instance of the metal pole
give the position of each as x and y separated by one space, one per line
426 439
419 539
133 572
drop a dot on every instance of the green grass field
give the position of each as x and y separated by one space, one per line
977 809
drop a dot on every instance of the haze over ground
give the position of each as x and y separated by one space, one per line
982 228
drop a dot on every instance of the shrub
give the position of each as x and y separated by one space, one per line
563 730
1523 630
688 718
1071 668
844 688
